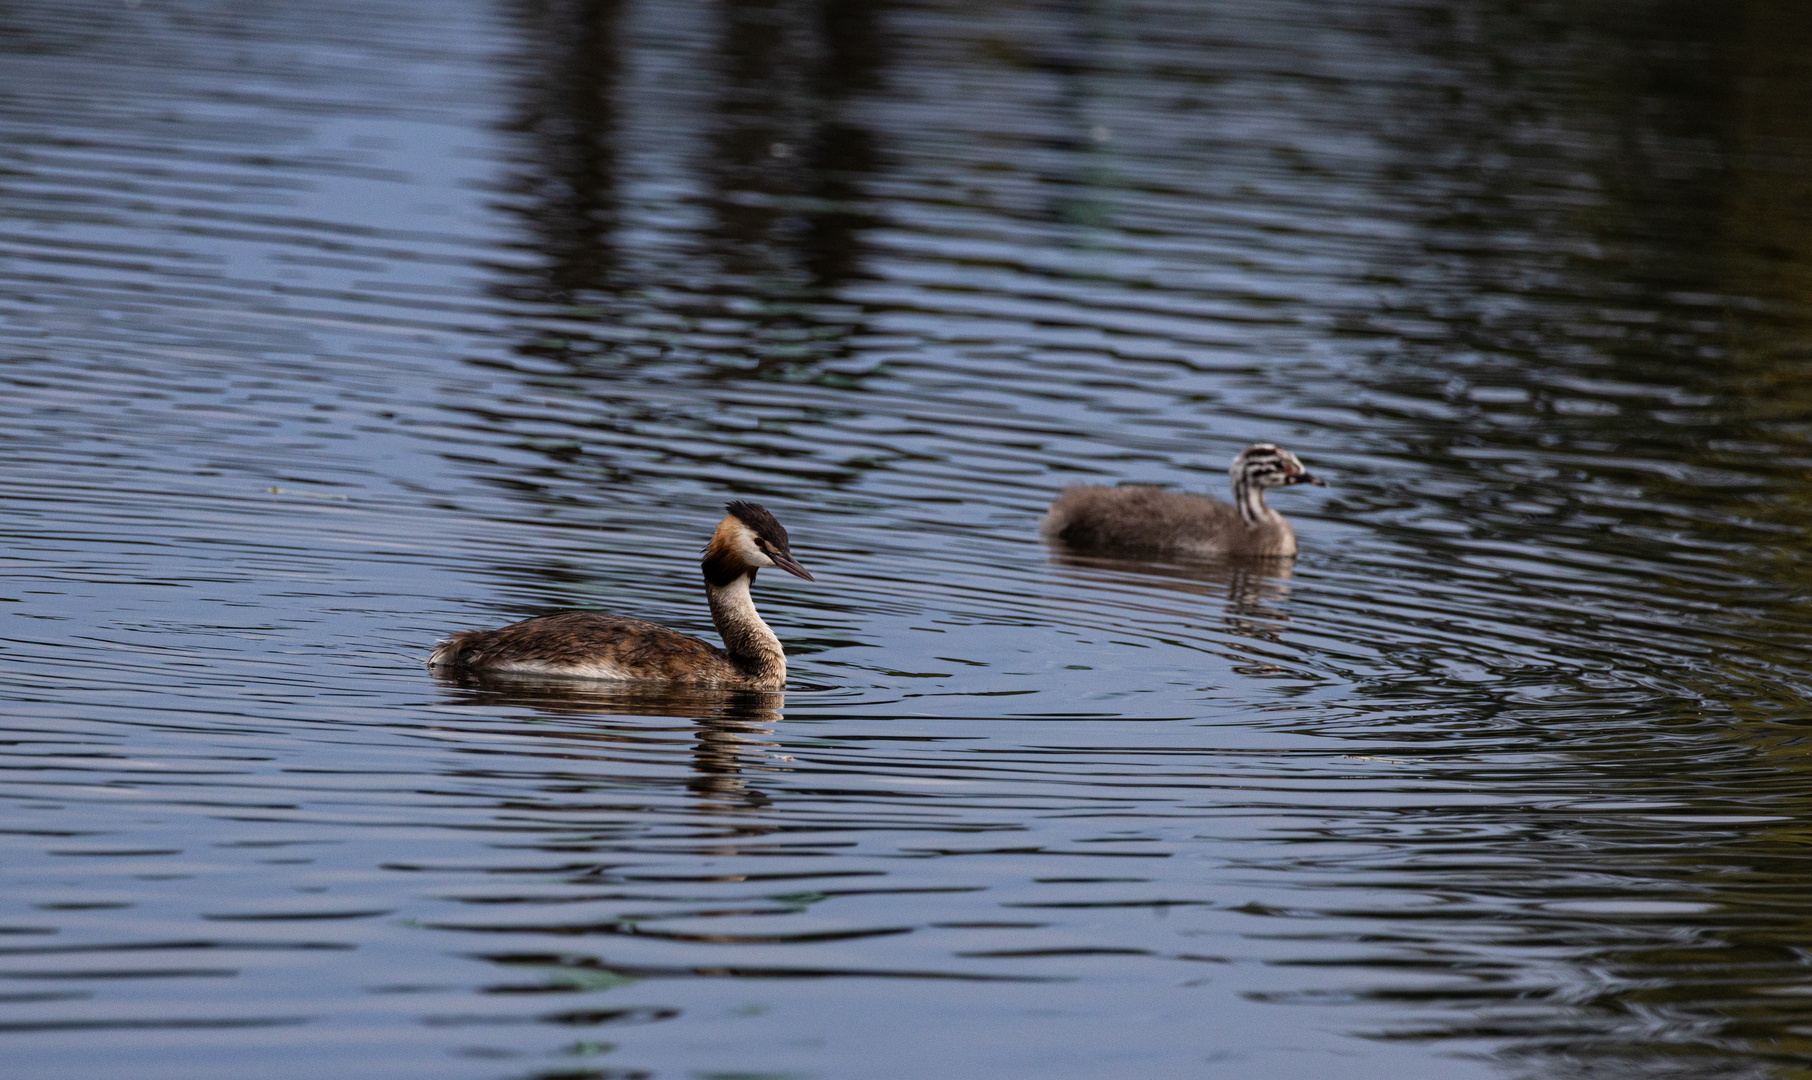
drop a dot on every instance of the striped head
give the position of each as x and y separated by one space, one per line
746 540
1269 465
1260 466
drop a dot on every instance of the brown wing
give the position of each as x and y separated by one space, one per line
590 644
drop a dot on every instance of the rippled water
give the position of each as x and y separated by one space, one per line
329 328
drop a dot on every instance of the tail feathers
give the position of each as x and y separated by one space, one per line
1060 519
1089 516
446 651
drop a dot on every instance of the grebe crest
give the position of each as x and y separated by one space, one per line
747 539
1145 518
593 645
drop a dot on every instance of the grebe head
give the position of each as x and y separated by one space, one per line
1269 465
746 540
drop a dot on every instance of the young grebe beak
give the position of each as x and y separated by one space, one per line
1305 478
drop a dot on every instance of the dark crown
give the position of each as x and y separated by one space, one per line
762 523
1262 456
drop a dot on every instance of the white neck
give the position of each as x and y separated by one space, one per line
1250 498
746 637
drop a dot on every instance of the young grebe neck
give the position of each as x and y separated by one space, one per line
1249 499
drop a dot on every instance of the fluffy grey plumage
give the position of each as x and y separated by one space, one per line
593 645
1141 518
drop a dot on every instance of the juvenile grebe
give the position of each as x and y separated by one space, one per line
591 645
1144 518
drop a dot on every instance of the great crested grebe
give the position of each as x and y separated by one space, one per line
1144 518
592 645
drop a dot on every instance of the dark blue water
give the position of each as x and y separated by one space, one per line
326 329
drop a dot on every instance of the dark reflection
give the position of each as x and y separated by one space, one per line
708 255
1597 341
1617 249
1252 588
787 159
1075 180
732 744
1603 345
568 114
1251 595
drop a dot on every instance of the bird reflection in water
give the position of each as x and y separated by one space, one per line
731 727
1252 594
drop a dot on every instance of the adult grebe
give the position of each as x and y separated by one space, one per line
591 645
1144 518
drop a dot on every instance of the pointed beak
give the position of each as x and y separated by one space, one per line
790 565
1307 478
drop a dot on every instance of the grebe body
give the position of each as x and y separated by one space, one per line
593 645
1142 518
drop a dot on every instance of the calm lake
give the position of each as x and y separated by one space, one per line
329 328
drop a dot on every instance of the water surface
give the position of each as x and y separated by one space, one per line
327 329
